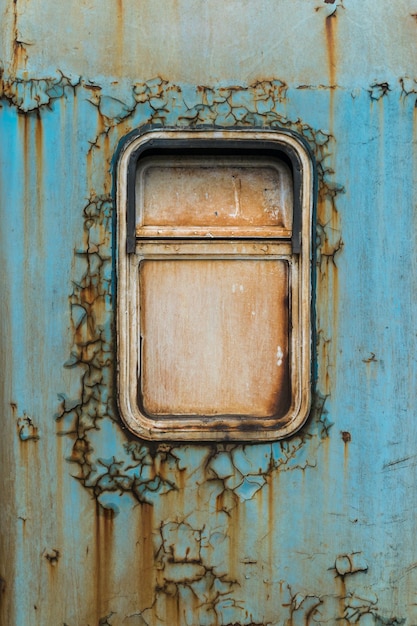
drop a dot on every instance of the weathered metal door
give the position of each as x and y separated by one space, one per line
118 515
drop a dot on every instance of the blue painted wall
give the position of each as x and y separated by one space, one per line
101 528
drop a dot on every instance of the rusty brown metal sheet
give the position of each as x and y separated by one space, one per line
207 196
202 352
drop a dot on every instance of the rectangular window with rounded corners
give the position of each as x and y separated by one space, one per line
214 284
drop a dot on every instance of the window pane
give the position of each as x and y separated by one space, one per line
213 193
214 337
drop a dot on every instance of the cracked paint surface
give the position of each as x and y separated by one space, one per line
191 580
310 530
91 299
201 565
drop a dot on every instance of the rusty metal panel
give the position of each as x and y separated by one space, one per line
204 318
101 527
237 196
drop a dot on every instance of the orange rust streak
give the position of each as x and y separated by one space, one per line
346 455
331 26
233 535
273 487
92 153
89 169
321 208
26 146
335 303
145 536
107 159
25 122
39 143
120 37
331 46
19 55
39 160
341 585
104 550
172 605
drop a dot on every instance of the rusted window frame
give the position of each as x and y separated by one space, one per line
130 251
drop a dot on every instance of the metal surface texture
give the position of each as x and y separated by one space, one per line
99 527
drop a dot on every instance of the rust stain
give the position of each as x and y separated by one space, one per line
341 596
272 503
303 608
96 144
31 129
186 583
233 522
273 486
38 166
145 535
52 555
120 37
329 247
371 366
331 49
346 436
89 172
379 90
19 54
331 32
92 352
26 429
25 122
39 148
107 156
104 557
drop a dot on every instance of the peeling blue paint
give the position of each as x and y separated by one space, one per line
315 529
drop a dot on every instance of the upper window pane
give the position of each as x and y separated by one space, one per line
212 196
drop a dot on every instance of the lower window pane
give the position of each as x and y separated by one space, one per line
214 337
